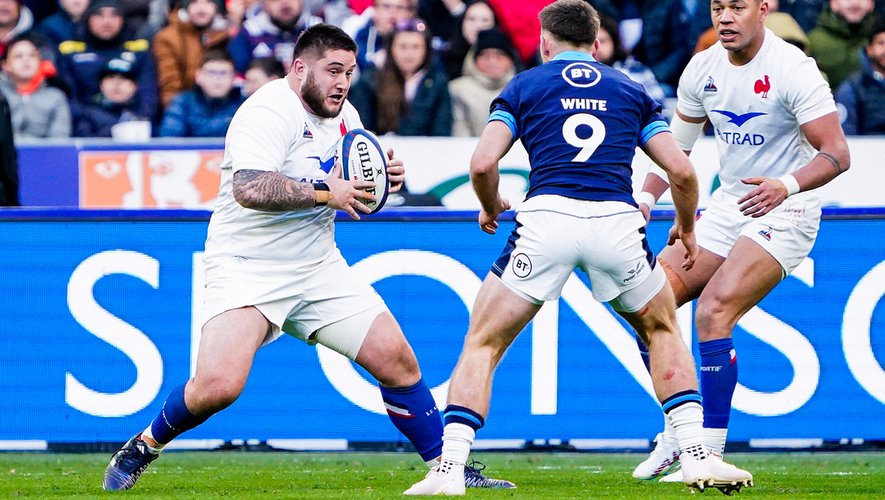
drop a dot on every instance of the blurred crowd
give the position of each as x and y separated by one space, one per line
181 68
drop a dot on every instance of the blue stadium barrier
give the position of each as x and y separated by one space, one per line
100 313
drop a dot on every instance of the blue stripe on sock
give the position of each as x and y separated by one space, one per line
463 415
679 399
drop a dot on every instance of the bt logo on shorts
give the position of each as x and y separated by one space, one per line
522 265
581 75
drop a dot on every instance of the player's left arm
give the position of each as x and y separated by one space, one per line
494 143
826 136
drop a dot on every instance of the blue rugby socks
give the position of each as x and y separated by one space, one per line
719 372
413 411
173 419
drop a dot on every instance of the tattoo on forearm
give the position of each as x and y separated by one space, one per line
832 159
271 191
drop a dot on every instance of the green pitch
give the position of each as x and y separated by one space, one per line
386 475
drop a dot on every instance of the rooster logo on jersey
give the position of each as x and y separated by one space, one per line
762 87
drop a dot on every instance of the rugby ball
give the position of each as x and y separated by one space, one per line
363 159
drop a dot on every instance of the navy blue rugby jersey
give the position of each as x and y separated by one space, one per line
580 122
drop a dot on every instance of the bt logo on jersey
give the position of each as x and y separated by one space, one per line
581 75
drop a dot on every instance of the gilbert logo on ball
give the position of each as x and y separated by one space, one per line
363 159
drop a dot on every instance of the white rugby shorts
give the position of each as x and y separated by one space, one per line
554 235
787 232
298 304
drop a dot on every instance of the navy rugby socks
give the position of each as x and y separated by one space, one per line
413 411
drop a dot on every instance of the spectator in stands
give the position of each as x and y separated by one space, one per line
377 23
115 102
407 95
197 27
272 32
145 17
670 30
207 109
8 158
840 34
862 95
442 16
612 52
805 12
65 23
261 71
82 60
38 110
15 19
472 94
477 17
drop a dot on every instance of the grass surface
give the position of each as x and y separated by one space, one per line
386 475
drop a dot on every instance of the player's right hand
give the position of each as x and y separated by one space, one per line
488 222
346 195
688 241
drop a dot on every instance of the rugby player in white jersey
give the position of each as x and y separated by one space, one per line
272 265
778 138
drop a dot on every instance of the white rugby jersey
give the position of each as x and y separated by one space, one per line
756 109
272 131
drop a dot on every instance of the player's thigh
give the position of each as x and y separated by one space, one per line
384 352
228 343
688 284
745 278
498 315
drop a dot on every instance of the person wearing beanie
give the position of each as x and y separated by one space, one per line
495 64
38 110
861 98
104 36
116 101
196 28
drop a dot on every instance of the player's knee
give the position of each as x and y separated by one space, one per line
216 392
714 319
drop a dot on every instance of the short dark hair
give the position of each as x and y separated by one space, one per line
322 37
877 29
214 55
270 66
574 22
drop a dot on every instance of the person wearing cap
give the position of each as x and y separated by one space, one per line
472 94
861 98
115 102
104 37
207 109
197 27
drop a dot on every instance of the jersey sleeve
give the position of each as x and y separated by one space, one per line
688 101
504 107
653 121
807 95
261 138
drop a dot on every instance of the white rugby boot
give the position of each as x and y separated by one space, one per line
663 460
712 471
447 478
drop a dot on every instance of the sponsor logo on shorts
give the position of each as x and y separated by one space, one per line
521 265
766 233
633 273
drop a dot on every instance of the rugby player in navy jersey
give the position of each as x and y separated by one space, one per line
580 122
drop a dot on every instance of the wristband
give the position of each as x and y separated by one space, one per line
322 195
790 183
647 198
